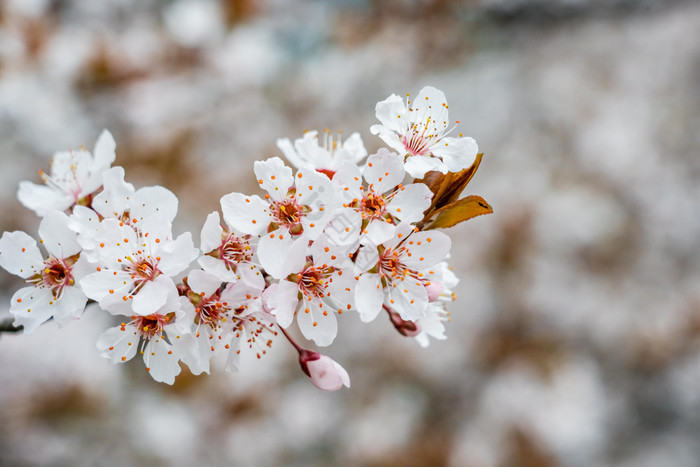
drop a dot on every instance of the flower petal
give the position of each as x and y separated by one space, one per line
409 202
30 307
60 241
20 255
41 198
210 237
247 214
418 166
119 344
383 171
369 296
273 177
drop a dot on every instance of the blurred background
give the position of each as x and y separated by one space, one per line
575 337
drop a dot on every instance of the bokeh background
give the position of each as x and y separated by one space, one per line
575 338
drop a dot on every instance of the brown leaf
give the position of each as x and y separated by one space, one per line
458 182
460 211
447 187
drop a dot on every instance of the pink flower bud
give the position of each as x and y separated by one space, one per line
434 290
406 328
325 373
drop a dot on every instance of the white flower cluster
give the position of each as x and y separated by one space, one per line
329 238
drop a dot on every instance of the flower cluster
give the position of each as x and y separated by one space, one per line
334 235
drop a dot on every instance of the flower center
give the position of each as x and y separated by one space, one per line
143 270
372 205
313 281
390 265
56 275
235 250
212 313
151 325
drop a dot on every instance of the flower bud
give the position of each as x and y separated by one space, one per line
406 328
434 290
325 373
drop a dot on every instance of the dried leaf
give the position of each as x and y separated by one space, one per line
458 183
460 211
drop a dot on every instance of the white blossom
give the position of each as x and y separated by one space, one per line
326 156
74 176
419 131
52 292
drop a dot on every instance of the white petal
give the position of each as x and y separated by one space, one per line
119 344
210 238
154 200
409 203
349 180
30 307
116 195
58 238
274 177
409 298
160 361
418 166
247 214
391 112
153 295
251 275
316 326
85 222
353 150
104 151
200 281
456 153
369 296
431 104
233 359
290 153
314 189
378 232
218 268
40 198
19 254
383 171
427 249
283 301
97 287
280 257
178 255
344 228
70 306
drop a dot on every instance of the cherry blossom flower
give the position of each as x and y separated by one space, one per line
401 276
75 175
325 373
52 292
119 200
224 320
147 334
296 208
136 267
228 254
307 153
419 131
384 202
319 288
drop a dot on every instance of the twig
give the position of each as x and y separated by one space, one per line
7 326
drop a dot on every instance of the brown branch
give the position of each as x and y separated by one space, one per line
7 326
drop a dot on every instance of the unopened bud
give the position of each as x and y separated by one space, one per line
325 373
406 328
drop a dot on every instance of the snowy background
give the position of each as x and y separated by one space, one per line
575 338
